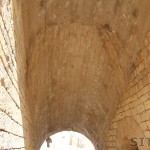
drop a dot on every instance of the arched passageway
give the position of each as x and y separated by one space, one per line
80 64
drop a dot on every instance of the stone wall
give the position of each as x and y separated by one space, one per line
76 70
132 118
15 118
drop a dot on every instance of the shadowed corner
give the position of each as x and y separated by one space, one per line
21 66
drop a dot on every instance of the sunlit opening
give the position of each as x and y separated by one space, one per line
67 140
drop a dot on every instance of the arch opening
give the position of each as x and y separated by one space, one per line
70 140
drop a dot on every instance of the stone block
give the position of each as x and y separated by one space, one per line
134 111
145 116
138 60
144 97
146 42
147 105
114 125
147 134
135 89
140 108
148 124
126 107
128 113
143 91
143 125
145 80
138 118
140 84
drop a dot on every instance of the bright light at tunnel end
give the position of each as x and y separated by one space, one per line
68 140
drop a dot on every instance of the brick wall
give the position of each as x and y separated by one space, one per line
15 120
135 103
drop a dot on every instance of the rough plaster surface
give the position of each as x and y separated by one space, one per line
66 74
80 56
76 61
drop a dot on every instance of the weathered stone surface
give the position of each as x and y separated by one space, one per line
80 65
67 78
14 113
79 59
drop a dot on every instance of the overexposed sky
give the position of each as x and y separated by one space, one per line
68 140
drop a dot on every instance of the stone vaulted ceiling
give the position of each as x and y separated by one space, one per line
79 57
